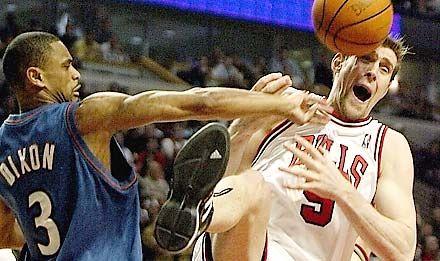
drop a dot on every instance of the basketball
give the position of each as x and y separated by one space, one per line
352 27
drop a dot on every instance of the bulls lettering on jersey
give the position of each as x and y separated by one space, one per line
304 225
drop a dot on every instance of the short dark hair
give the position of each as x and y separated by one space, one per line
26 50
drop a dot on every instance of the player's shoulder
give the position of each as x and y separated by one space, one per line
395 142
395 137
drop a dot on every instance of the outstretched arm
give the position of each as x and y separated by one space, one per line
112 112
10 233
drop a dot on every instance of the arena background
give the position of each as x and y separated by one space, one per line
176 45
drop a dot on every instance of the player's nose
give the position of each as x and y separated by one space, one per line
76 75
371 76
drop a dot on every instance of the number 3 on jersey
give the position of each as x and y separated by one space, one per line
320 217
44 221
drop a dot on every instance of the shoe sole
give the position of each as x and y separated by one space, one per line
198 167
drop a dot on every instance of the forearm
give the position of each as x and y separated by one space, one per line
240 132
202 104
109 111
388 239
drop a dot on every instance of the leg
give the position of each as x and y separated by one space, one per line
240 217
198 167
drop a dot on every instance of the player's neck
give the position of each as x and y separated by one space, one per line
343 118
29 100
28 103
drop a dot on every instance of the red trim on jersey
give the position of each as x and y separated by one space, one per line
279 126
377 141
380 151
18 118
207 249
264 257
270 137
341 117
364 253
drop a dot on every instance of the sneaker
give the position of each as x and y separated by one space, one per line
198 167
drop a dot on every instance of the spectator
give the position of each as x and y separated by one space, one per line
246 69
11 28
323 74
281 62
152 185
436 221
428 161
34 25
112 51
433 7
224 73
69 38
261 67
5 39
104 32
430 251
86 48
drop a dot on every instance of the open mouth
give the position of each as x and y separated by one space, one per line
361 92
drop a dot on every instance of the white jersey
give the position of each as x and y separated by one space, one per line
302 225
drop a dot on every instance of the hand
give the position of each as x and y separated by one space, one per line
304 107
321 175
274 83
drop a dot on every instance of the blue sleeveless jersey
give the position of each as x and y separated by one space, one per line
69 206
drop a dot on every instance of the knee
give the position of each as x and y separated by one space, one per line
259 192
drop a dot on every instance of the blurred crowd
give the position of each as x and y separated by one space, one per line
428 234
429 9
151 149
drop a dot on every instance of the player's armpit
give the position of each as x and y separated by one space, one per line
361 251
251 150
245 143
11 235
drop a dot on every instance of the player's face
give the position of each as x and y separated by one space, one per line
60 77
362 82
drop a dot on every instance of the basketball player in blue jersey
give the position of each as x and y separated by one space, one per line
326 193
63 177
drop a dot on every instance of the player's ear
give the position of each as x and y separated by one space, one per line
34 76
337 61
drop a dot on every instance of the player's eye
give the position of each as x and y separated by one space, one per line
385 69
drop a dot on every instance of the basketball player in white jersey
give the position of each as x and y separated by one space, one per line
312 189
